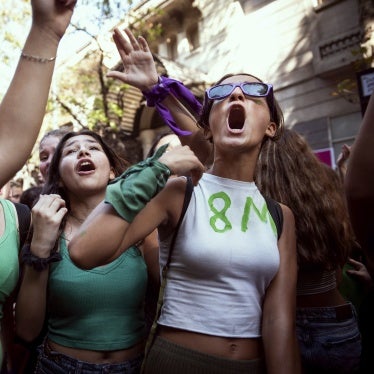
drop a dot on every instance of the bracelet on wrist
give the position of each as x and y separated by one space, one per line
39 59
38 263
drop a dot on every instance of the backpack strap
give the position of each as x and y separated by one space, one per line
152 333
186 202
276 213
24 221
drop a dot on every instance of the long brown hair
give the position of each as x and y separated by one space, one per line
289 172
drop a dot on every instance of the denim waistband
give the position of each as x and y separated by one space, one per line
70 363
338 313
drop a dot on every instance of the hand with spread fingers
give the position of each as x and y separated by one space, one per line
139 67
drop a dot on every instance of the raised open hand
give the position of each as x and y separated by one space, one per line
139 67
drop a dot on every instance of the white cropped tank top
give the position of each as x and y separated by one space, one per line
224 258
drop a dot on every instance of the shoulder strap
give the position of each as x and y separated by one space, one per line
186 202
151 335
276 213
24 220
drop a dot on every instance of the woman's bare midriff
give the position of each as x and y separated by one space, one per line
98 357
325 299
231 348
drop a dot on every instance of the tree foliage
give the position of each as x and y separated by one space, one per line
84 96
13 30
363 56
109 7
363 59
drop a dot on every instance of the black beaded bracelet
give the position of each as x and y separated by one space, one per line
38 263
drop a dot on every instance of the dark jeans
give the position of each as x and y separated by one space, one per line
329 340
52 362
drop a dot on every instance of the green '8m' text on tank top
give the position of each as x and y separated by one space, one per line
99 309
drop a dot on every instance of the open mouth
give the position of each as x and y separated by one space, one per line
236 117
85 166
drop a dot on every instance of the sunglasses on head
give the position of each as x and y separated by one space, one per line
254 89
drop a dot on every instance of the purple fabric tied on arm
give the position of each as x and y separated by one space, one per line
161 90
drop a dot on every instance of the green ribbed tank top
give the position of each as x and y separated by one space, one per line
9 269
99 309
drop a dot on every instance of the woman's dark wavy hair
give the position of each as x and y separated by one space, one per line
276 114
53 185
289 172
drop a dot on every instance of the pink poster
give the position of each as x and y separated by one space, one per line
326 156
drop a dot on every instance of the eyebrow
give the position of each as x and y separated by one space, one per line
68 144
46 149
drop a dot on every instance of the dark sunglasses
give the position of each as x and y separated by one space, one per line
255 89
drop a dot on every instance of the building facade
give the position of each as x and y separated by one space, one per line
305 48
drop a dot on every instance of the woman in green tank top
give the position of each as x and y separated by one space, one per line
9 247
95 319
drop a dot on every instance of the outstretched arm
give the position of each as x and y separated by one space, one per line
23 107
140 71
136 204
359 183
